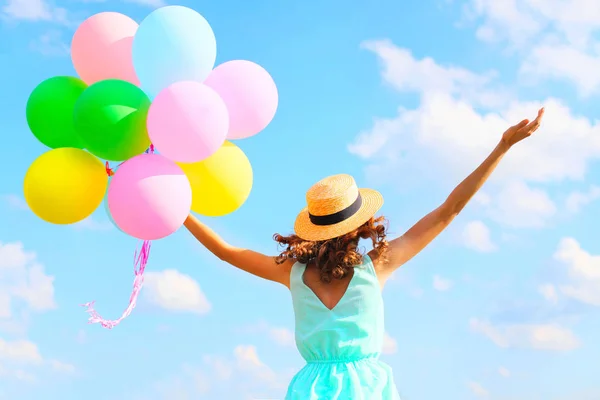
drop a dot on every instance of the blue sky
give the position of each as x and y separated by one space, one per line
408 96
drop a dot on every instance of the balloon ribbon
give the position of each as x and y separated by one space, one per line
109 171
139 265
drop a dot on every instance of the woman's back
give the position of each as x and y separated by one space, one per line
341 345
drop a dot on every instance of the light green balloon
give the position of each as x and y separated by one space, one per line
49 111
110 118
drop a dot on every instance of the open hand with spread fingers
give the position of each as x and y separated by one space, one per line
522 130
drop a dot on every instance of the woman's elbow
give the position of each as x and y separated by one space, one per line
222 255
448 211
225 254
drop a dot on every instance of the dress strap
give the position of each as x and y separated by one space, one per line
296 274
367 269
368 264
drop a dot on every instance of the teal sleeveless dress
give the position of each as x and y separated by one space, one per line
341 346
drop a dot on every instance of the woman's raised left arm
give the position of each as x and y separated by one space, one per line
408 245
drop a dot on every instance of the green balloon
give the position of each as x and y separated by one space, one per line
110 117
50 111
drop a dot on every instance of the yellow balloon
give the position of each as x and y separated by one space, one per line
65 185
220 183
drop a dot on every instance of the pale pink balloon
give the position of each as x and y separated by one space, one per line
101 48
187 122
149 197
249 93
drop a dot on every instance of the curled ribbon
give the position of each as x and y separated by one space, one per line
109 171
139 265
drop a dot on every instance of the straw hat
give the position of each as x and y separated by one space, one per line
336 206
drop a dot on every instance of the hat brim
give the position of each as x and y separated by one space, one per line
372 201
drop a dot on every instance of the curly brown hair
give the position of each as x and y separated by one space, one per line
335 257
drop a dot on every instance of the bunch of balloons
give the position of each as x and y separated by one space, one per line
152 85
142 88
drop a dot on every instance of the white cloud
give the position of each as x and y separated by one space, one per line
478 390
91 224
548 292
505 20
563 63
441 284
505 372
15 201
13 256
449 134
23 281
189 383
50 43
371 142
24 288
482 198
222 367
577 200
174 291
406 74
247 362
448 126
543 337
519 206
476 236
282 336
390 345
522 21
22 353
582 270
279 335
557 38
22 375
62 367
34 10
5 305
581 394
241 375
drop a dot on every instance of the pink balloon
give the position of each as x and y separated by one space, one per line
187 122
149 197
101 48
249 93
